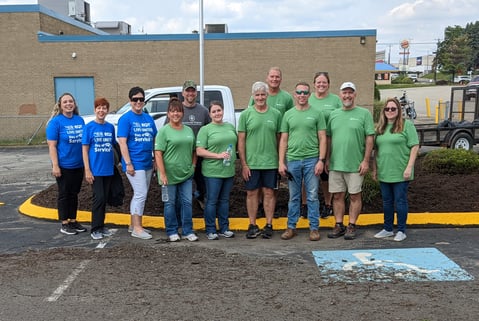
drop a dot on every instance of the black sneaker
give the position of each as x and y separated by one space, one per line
77 227
326 211
338 230
304 211
253 231
267 231
67 229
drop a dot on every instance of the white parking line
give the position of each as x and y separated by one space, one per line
68 281
104 242
16 228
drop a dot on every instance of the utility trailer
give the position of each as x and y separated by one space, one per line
461 127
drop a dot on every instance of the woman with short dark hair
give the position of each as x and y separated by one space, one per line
136 135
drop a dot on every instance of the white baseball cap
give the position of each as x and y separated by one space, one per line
348 84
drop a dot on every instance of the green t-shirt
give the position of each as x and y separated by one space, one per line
282 101
216 138
326 104
177 147
348 130
393 151
302 127
261 130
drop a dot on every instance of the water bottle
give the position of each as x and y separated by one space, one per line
227 160
164 193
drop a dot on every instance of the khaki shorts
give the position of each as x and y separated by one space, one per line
342 182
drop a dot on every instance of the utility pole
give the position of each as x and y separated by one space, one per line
202 53
435 60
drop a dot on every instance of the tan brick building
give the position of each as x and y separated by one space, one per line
38 46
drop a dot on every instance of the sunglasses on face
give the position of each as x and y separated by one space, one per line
390 108
137 99
304 92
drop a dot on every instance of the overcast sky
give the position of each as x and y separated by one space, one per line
422 22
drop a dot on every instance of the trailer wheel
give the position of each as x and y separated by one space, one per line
462 140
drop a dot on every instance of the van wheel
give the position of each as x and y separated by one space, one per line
462 140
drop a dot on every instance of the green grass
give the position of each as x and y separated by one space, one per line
37 140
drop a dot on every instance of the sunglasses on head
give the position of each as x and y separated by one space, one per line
304 92
390 108
137 99
319 73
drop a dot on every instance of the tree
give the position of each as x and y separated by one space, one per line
456 54
472 31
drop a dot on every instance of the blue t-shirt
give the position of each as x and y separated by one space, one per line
140 132
67 132
100 138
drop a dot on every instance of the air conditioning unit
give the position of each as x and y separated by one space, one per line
114 27
216 28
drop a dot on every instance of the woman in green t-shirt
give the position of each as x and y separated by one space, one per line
321 99
395 150
216 143
175 159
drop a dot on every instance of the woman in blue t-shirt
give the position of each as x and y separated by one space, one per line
136 135
64 135
98 156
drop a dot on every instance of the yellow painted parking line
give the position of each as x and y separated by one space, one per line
241 224
2 203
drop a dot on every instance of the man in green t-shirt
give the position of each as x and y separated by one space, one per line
277 98
350 134
258 131
302 149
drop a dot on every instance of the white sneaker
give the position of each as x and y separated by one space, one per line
190 237
400 236
227 234
130 229
383 234
142 235
174 238
212 236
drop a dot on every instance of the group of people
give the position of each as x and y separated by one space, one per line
312 138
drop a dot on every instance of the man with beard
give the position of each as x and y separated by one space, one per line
350 133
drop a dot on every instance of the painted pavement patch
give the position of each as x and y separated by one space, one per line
388 265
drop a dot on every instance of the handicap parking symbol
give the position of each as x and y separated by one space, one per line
387 265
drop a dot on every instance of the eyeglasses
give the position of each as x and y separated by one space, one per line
137 99
304 92
390 108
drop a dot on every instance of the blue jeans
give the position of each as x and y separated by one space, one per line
183 192
217 203
303 170
395 195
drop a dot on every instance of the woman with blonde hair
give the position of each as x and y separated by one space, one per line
64 138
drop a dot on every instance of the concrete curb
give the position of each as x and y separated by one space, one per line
241 224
